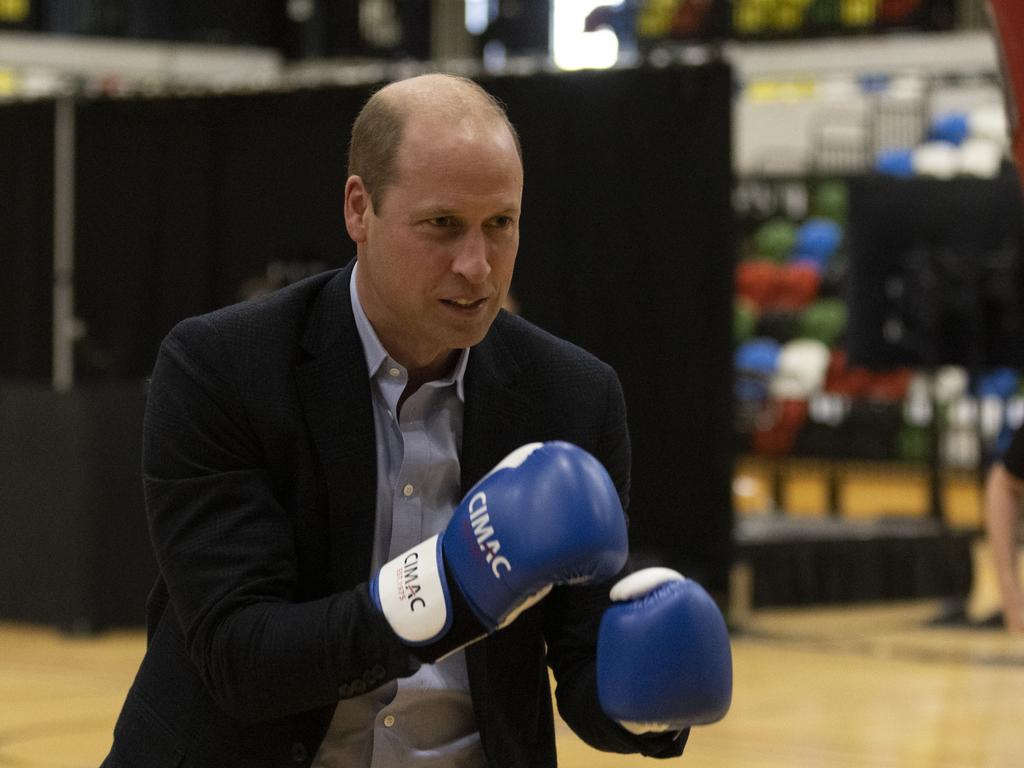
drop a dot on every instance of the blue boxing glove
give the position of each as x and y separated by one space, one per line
663 657
547 514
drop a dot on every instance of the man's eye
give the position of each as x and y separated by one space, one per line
501 222
443 221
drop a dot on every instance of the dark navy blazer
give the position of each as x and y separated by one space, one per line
259 467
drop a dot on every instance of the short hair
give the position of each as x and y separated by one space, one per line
378 129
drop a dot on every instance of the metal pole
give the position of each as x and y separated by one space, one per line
449 38
64 325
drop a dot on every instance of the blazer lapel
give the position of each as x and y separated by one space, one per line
334 388
494 421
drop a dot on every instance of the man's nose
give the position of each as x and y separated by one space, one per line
471 258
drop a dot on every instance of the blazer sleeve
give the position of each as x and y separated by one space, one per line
572 615
226 550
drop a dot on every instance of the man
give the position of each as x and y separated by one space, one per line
1004 493
1004 484
298 446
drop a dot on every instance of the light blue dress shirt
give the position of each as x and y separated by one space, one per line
427 720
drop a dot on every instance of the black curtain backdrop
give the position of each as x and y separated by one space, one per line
180 201
75 550
626 250
26 238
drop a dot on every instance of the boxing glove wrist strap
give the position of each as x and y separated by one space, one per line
423 607
413 593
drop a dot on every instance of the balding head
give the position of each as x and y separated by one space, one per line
435 98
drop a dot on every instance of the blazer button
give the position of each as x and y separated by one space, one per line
344 690
378 672
358 686
299 752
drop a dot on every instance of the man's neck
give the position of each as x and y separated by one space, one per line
420 375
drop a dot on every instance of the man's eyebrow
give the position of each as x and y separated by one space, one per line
510 208
431 212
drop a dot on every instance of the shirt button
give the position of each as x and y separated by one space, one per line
299 752
389 721
408 489
394 372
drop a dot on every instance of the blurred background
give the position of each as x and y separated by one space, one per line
790 225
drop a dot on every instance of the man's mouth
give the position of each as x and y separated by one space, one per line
465 303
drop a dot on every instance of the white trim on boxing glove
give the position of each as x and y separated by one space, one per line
514 459
529 602
643 729
643 581
412 593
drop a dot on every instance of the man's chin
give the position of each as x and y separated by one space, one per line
471 334
464 340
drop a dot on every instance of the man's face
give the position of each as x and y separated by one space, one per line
436 257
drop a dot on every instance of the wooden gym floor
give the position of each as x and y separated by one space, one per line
826 687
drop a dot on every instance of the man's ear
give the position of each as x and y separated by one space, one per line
358 208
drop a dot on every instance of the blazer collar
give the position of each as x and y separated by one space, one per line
334 388
495 420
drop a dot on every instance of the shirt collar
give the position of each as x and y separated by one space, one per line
377 356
